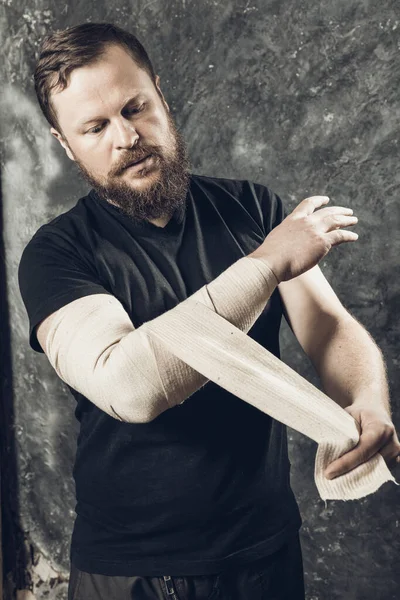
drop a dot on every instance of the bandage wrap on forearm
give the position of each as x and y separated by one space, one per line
135 375
94 347
237 363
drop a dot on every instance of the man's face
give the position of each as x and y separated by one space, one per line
111 114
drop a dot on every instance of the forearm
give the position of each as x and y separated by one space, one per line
238 295
128 368
94 347
351 366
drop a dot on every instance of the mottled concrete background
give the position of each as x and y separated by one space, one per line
300 95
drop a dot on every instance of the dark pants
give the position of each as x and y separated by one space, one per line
275 577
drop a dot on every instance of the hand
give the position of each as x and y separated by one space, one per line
305 237
377 434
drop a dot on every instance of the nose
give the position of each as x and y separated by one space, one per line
126 135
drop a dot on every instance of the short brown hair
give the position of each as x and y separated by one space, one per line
65 50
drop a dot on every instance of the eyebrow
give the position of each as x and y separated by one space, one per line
99 118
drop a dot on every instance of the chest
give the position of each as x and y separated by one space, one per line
151 273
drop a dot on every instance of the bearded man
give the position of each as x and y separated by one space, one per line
183 490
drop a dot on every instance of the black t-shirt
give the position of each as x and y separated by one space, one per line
205 485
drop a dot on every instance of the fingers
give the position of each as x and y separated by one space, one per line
307 206
332 223
341 235
376 437
338 220
368 445
331 219
331 210
391 452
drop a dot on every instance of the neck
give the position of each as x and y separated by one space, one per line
161 222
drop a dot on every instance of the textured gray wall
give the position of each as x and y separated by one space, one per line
300 95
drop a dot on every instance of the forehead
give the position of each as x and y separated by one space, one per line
102 85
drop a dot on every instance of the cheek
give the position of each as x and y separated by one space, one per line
96 156
157 126
152 129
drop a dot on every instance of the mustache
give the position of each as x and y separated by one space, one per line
131 157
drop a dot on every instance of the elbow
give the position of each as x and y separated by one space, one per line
138 410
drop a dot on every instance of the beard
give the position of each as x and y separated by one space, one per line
159 198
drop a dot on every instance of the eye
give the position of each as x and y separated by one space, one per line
96 129
134 109
129 111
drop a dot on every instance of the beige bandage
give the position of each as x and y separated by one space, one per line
135 374
237 363
94 347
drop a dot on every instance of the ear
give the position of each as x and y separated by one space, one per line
160 92
63 142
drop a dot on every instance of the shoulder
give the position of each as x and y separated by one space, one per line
60 240
238 187
63 224
234 186
258 199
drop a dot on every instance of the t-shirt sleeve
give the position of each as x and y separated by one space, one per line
273 209
51 273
